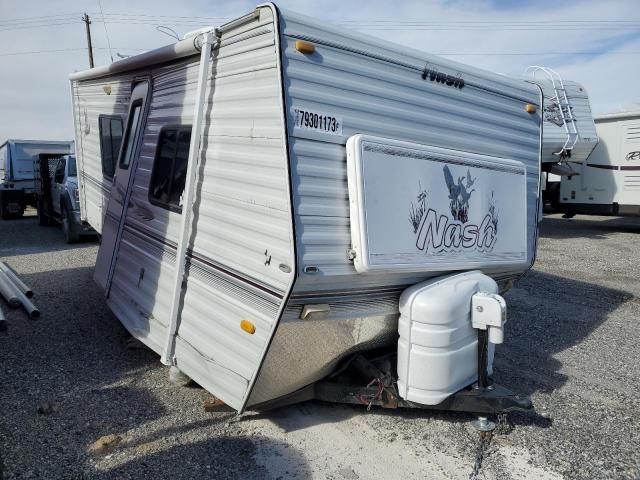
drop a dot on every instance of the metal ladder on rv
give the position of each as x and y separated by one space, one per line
564 106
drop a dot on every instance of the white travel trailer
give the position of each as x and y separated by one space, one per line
609 182
296 208
17 181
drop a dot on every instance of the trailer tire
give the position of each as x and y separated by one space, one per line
43 219
70 235
3 211
7 215
7 198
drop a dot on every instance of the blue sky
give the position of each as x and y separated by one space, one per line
498 35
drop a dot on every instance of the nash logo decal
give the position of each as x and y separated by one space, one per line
633 156
439 77
437 232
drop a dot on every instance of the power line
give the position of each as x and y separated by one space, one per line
163 16
384 24
44 18
143 19
432 53
545 28
201 17
38 19
106 32
2 29
57 50
362 20
435 26
38 22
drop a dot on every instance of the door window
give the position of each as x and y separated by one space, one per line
131 134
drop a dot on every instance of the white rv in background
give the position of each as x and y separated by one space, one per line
608 183
290 197
569 129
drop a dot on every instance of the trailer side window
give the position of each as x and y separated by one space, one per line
170 167
110 139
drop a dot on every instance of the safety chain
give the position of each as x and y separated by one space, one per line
503 427
385 393
368 400
483 446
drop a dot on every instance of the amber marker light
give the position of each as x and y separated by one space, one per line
248 327
530 108
305 47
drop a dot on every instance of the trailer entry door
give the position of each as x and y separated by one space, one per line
120 192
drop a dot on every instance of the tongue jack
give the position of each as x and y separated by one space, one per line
488 316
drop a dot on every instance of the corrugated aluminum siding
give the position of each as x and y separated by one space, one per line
92 98
241 259
376 88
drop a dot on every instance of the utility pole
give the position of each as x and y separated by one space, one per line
87 22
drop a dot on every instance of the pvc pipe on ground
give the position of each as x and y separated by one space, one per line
3 322
15 293
28 306
13 276
9 291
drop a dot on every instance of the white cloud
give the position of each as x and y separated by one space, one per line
34 98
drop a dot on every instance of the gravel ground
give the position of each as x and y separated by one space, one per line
571 344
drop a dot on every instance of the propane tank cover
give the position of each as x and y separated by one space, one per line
437 348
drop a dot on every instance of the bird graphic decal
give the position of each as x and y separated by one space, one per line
459 194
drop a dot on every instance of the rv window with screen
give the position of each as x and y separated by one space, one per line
110 139
130 138
170 167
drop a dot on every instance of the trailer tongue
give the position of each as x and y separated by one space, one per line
448 329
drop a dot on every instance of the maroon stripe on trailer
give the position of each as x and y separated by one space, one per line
604 167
